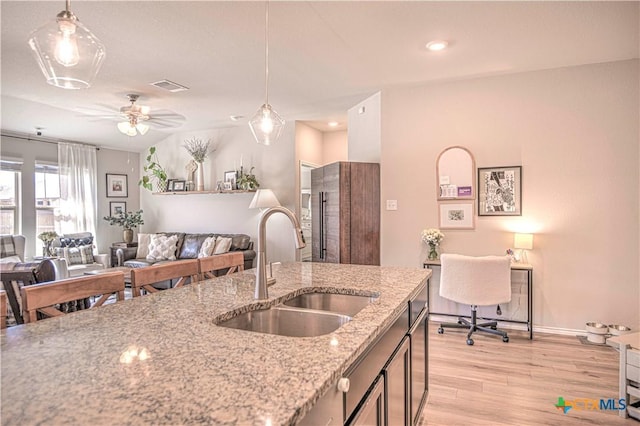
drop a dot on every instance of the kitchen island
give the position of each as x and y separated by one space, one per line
160 359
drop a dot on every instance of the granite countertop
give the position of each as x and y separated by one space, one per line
160 359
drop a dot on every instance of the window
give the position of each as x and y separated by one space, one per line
47 196
9 190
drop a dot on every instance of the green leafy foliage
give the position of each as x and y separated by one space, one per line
154 171
127 220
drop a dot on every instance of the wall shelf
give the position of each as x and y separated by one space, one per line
234 191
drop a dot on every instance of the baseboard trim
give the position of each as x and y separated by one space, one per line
522 327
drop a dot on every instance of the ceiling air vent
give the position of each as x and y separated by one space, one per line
170 86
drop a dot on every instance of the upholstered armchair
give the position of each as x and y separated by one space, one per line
78 251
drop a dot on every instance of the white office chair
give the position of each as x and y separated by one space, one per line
475 281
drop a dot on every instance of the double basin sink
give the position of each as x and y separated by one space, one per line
306 315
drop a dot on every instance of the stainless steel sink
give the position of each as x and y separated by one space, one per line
346 304
286 321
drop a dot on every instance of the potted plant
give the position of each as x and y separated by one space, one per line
47 238
248 181
128 221
154 172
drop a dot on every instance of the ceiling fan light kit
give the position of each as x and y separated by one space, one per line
266 125
134 114
69 55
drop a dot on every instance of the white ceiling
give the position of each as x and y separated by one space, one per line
324 56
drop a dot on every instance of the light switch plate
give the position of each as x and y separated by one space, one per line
392 204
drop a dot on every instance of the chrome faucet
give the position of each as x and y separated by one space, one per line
261 273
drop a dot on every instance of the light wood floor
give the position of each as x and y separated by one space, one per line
517 383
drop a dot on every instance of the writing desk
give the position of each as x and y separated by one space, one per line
429 264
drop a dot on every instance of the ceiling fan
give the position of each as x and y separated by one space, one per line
134 119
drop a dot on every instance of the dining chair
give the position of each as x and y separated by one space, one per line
475 281
3 309
44 298
210 265
145 278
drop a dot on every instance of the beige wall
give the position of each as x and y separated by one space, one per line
227 213
575 131
365 130
334 146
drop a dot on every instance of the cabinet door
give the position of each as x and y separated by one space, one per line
397 386
365 214
335 185
371 412
317 215
419 363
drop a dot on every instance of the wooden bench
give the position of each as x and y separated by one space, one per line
207 265
144 278
43 297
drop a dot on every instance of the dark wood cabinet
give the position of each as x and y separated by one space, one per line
345 203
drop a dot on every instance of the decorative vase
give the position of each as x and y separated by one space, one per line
433 253
200 177
128 236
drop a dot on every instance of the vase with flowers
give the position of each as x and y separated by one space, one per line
47 238
128 221
433 237
199 150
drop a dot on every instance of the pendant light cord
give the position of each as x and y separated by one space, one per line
266 53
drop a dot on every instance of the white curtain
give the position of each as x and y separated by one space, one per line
78 189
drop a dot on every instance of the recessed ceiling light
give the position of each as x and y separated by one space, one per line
333 123
437 45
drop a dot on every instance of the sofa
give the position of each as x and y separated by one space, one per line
181 245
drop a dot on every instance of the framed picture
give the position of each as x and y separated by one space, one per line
117 207
231 178
227 186
500 191
456 215
178 185
170 184
117 186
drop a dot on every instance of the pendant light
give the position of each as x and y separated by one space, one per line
266 125
68 53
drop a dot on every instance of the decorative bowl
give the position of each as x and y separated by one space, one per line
597 328
617 330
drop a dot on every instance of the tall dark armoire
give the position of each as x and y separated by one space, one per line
345 203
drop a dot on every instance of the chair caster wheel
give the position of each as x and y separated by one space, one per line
470 342
440 330
505 339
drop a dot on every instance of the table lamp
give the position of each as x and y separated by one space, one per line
523 242
264 199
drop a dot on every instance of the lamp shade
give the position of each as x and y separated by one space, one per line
69 55
523 241
264 199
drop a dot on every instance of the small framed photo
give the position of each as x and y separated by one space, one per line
170 184
117 186
230 177
117 207
500 191
227 186
178 185
456 215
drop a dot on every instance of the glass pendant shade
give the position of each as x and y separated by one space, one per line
68 54
266 125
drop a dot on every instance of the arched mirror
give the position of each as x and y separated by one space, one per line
455 174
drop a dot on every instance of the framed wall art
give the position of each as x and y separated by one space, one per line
117 186
456 215
117 207
500 191
231 178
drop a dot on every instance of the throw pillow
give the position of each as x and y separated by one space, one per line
162 247
76 242
10 259
207 247
143 245
82 255
223 245
7 248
